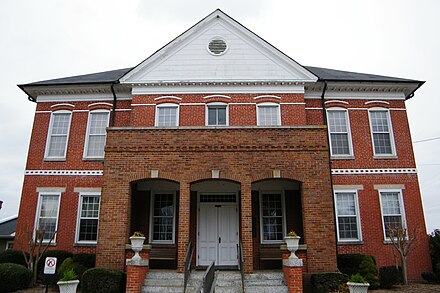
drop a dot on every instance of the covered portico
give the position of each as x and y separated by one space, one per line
177 185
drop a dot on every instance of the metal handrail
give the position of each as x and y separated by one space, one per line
208 278
187 268
240 263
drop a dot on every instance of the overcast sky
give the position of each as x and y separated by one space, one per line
48 39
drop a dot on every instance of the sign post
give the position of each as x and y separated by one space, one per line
50 266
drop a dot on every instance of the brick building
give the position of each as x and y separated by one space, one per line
221 139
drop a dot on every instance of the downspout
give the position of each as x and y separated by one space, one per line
324 117
113 114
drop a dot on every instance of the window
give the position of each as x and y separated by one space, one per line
167 115
58 135
339 131
383 142
347 216
47 215
9 245
268 114
162 230
96 134
88 218
217 115
272 217
392 210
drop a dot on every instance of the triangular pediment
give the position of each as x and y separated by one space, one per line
218 49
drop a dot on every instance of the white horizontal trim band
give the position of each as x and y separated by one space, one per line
64 172
374 171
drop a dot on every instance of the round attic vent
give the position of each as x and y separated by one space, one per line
217 46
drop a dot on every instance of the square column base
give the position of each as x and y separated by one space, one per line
137 271
293 273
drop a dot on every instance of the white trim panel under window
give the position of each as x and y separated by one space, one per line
217 114
392 209
58 135
88 217
272 217
339 132
47 214
347 215
167 115
268 114
381 132
163 217
96 135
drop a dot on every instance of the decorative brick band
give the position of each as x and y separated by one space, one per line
64 172
374 171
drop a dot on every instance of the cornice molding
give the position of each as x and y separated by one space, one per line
64 172
374 171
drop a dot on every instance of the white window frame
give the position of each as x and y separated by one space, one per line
350 141
269 104
86 143
358 217
402 210
390 129
9 245
78 218
49 136
216 105
167 105
153 194
283 210
37 214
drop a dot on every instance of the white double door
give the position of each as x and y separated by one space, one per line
217 234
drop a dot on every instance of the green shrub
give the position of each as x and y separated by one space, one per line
327 282
390 276
358 278
69 275
429 277
13 256
79 270
61 255
86 259
102 280
364 264
13 277
368 270
65 266
349 263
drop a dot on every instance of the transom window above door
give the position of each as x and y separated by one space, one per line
217 115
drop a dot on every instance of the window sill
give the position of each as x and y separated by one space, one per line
387 157
54 159
82 244
341 157
353 242
94 159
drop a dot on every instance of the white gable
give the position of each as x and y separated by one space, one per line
247 58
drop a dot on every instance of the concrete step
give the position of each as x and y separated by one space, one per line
265 275
164 274
228 290
266 289
267 282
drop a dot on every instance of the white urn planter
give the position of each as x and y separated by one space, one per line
137 243
358 287
68 286
292 243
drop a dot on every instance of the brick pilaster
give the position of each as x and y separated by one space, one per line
246 225
184 218
137 271
293 273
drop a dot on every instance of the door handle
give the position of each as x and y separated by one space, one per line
219 240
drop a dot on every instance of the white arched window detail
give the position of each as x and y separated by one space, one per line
217 114
167 115
339 132
96 134
381 132
58 135
268 114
